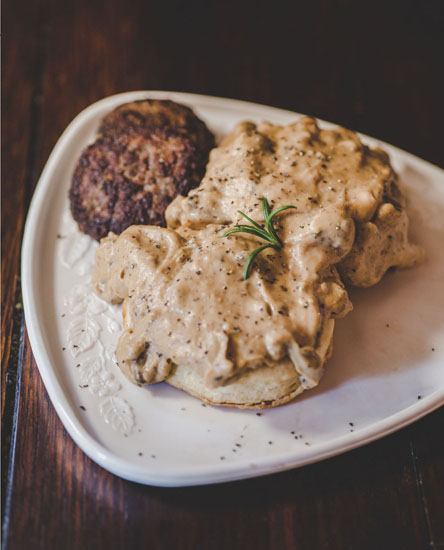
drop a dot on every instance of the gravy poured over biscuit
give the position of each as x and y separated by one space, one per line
189 316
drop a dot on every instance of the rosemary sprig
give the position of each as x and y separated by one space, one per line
268 233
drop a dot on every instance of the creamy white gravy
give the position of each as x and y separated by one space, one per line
184 298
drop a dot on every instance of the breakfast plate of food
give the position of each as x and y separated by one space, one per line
216 290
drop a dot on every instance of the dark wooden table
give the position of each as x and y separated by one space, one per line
377 67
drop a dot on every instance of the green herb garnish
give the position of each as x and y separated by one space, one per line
267 233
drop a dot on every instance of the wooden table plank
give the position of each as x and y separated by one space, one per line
377 69
21 73
427 449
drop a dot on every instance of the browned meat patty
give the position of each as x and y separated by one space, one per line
148 114
134 169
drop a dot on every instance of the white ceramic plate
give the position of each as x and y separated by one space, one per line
387 369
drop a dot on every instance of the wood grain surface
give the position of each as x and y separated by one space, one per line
376 67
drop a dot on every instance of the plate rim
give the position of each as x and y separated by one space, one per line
184 476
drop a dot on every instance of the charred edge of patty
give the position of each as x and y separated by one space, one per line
109 185
148 114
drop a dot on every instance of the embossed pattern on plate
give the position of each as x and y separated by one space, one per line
90 327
